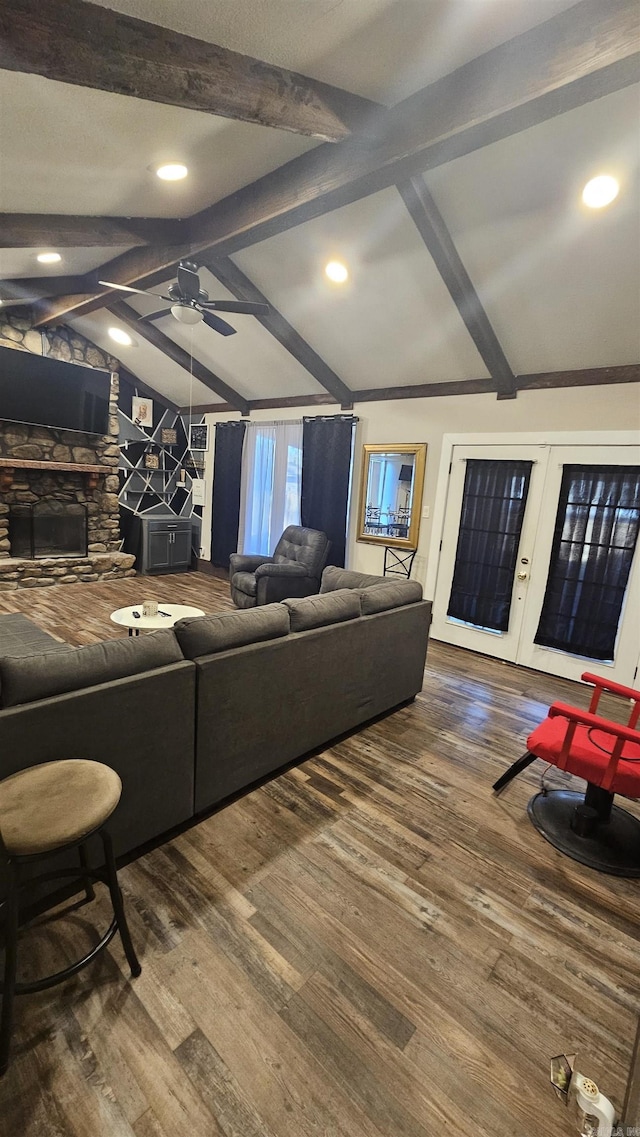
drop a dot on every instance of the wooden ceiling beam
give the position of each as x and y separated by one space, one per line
243 288
179 356
77 42
62 231
287 402
585 377
581 54
546 380
431 227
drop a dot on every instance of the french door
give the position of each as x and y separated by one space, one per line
515 544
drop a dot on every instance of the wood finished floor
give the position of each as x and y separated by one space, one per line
370 945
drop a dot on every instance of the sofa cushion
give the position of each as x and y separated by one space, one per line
391 594
23 680
317 611
334 578
207 635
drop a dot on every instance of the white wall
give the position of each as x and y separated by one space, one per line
615 407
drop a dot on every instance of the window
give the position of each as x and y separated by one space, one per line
493 505
595 536
271 484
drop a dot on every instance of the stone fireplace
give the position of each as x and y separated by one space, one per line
59 512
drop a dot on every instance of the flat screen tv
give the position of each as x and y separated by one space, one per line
49 392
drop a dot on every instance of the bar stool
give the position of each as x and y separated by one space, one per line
45 810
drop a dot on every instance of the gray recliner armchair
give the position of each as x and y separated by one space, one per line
294 569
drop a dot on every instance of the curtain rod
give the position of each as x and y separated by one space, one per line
330 418
290 421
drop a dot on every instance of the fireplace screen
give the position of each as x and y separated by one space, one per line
48 529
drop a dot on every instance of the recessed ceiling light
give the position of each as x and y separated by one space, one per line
120 337
600 191
172 172
49 258
337 272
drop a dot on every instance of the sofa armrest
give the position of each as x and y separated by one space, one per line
242 562
282 569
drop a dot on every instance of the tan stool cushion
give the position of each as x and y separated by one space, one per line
48 806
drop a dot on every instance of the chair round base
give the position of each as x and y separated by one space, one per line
614 846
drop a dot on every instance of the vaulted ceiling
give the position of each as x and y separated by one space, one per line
438 147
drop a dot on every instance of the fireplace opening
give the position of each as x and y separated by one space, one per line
48 529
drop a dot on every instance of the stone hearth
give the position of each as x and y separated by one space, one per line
16 572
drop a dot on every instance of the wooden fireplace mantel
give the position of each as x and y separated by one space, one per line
8 466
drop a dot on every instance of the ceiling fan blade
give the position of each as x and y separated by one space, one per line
154 315
138 291
243 306
188 282
217 324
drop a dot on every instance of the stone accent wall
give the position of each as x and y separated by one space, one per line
62 343
43 444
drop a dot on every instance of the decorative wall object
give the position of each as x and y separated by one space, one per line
152 461
199 436
165 489
168 436
391 483
142 411
198 491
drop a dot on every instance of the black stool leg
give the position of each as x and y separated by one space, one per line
10 965
118 906
84 864
600 800
516 768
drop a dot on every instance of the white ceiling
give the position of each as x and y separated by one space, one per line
24 263
560 285
146 362
559 282
394 323
74 150
251 362
381 49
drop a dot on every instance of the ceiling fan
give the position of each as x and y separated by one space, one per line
190 304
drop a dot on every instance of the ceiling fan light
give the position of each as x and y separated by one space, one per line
186 315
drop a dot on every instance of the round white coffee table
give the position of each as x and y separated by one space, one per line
168 614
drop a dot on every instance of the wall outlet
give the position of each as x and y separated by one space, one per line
426 512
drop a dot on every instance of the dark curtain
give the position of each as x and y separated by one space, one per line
493 505
326 462
227 463
594 540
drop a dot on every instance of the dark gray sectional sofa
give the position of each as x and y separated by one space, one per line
190 716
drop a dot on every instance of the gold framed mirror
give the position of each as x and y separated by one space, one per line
391 485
